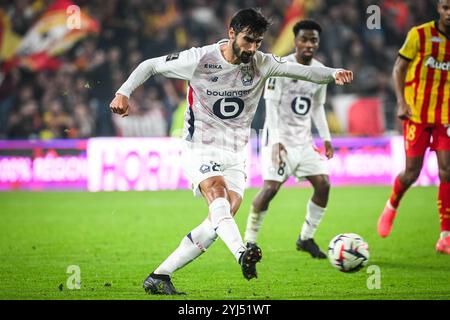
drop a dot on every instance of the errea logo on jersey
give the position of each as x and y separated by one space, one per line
213 66
434 64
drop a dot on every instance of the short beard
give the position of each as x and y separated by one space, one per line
243 56
307 59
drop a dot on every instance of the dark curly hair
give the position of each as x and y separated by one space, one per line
249 18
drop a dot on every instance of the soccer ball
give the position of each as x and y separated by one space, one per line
348 252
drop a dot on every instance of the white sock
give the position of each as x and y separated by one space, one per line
226 227
254 222
314 215
445 234
192 246
389 205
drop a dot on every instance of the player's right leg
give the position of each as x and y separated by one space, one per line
443 156
312 166
402 183
221 202
315 211
258 210
274 175
215 191
252 254
417 139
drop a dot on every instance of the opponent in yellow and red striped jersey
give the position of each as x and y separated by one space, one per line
427 84
422 86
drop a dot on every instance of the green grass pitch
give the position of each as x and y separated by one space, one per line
118 238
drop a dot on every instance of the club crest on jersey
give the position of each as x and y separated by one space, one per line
247 75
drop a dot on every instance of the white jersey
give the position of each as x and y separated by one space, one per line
290 105
222 97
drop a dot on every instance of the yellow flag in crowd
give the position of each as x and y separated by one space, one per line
9 41
57 30
285 40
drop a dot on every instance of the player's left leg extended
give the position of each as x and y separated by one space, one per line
417 140
194 244
191 247
443 244
315 211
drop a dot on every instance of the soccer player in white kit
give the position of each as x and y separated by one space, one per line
289 149
226 81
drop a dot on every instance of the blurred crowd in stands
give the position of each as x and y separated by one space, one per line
73 102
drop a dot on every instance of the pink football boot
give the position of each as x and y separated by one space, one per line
443 245
386 220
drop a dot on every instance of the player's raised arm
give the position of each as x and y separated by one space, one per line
279 68
179 65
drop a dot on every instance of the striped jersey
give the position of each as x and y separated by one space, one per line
222 97
427 83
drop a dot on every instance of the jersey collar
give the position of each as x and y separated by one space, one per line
436 25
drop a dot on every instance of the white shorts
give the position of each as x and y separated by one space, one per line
299 162
202 163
